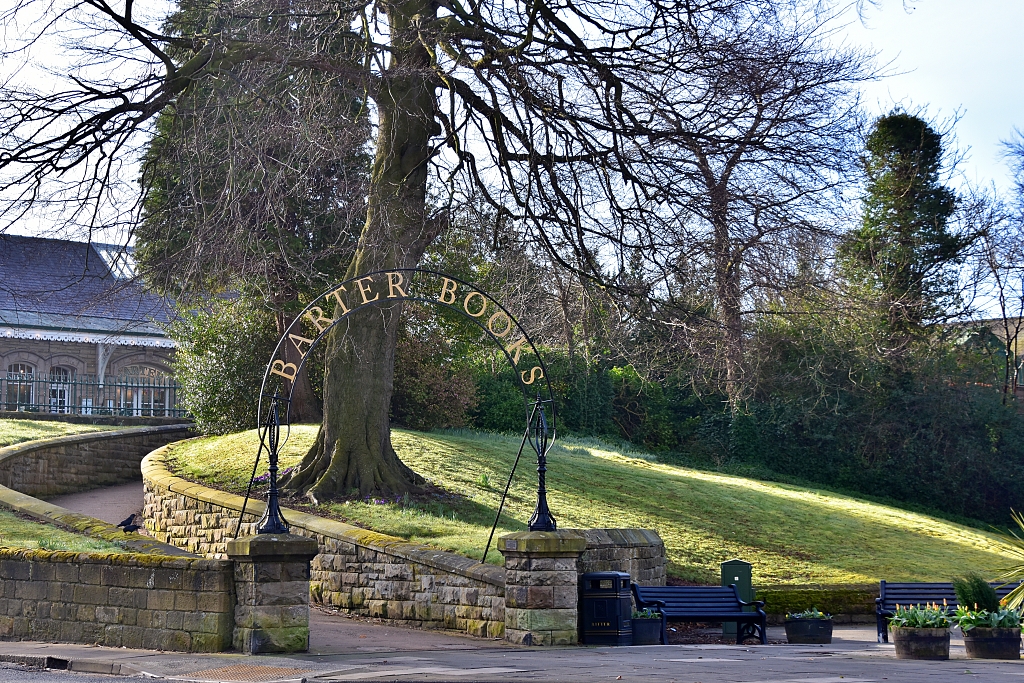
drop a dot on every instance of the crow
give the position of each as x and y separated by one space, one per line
129 524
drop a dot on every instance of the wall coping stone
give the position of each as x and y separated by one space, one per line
109 420
621 538
273 545
121 559
154 470
566 541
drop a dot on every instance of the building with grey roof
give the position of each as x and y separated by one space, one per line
78 333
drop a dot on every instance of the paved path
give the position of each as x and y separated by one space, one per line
853 657
110 504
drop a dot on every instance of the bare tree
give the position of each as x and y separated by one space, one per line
761 171
568 117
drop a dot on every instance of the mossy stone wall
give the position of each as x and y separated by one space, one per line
356 570
638 552
116 600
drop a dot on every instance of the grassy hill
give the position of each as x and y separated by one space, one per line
790 534
17 431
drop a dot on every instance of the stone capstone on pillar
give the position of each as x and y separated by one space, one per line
271 592
541 595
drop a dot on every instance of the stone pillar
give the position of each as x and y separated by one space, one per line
271 592
541 595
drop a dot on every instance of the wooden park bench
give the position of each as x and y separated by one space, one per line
703 603
906 594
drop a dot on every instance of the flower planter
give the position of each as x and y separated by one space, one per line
921 643
992 643
809 631
646 631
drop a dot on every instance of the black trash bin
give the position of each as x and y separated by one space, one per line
606 609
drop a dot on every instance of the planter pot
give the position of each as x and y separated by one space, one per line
809 631
992 643
647 631
921 643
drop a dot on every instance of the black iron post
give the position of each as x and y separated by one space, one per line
542 519
272 521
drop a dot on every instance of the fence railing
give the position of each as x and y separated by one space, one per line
86 395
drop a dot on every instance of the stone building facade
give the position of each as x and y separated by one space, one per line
74 324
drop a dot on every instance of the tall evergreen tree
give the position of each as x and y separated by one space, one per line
903 250
256 182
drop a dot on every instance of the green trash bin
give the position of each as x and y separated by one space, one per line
737 572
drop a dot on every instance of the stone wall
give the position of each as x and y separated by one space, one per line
356 570
116 600
365 572
78 462
638 552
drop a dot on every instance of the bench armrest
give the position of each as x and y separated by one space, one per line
759 604
641 603
660 604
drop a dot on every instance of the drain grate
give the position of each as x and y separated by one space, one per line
248 673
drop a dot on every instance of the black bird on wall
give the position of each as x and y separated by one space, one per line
129 524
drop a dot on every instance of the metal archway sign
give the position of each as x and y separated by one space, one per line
381 288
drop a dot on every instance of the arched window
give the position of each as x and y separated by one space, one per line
60 389
59 373
20 385
143 392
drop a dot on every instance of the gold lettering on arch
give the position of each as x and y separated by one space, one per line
364 290
447 295
298 341
395 281
286 370
533 371
337 297
508 324
316 316
483 307
515 349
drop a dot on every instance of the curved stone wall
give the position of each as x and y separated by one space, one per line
357 570
78 462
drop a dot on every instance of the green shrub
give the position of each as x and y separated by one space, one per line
222 354
974 592
431 390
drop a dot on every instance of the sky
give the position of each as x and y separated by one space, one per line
950 56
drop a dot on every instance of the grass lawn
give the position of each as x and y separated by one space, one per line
16 431
17 532
790 534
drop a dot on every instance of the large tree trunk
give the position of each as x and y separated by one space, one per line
729 295
353 452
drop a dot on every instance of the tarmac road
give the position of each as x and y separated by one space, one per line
110 504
